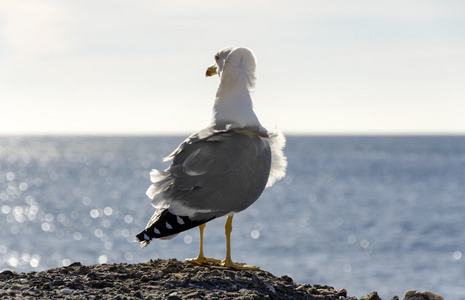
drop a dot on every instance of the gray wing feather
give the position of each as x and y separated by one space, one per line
218 174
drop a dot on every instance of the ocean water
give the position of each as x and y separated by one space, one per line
361 213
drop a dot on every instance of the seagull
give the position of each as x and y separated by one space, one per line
220 170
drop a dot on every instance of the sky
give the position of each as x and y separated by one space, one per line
323 67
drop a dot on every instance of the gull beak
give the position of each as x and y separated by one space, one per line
211 71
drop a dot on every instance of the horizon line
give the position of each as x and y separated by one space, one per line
290 133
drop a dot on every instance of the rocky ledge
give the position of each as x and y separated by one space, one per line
159 279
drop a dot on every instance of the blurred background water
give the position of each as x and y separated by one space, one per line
361 213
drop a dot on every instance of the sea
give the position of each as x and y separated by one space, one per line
364 213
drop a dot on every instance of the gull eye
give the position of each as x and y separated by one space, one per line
217 57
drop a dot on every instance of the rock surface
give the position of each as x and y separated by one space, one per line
159 279
425 295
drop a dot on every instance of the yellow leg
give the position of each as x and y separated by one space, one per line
227 262
201 259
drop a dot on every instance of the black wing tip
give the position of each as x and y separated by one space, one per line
139 238
168 224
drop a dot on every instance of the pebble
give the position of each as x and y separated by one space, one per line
66 291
